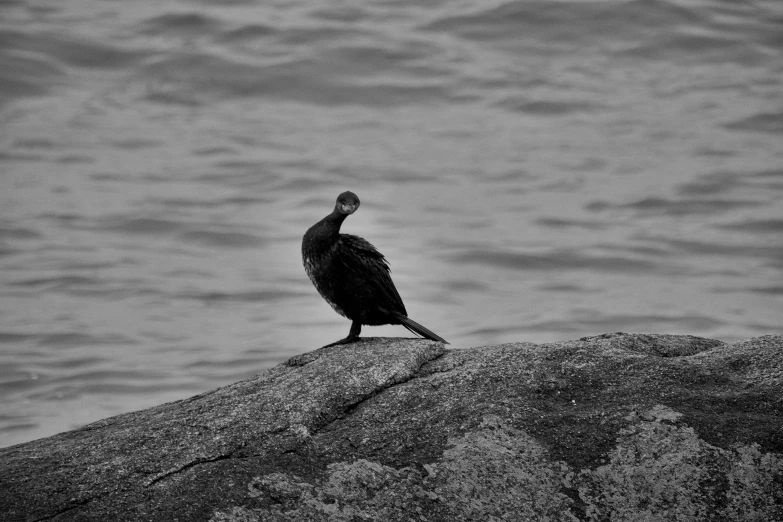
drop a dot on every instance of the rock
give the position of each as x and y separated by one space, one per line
614 427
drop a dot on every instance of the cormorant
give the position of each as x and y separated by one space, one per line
353 276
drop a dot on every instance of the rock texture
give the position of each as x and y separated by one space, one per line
608 428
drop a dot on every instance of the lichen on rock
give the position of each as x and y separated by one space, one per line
663 472
499 473
658 472
493 473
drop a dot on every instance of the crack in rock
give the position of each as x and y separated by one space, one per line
173 471
350 408
297 429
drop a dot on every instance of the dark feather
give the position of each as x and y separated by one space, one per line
416 328
370 266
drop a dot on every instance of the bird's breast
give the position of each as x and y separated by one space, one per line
309 267
320 270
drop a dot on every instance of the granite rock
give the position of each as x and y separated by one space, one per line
614 427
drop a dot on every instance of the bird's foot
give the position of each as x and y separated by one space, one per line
353 335
347 340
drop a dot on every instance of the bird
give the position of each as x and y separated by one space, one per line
352 276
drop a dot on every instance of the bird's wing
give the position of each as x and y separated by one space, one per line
359 256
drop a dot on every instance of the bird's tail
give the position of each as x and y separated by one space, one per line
416 328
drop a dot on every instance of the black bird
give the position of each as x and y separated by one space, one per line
353 276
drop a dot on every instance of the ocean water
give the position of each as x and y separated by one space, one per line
534 170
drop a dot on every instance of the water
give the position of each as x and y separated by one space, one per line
533 170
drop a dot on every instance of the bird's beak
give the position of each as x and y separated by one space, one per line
347 208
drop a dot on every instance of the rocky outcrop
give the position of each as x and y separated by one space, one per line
614 427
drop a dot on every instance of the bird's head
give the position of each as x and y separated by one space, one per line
347 203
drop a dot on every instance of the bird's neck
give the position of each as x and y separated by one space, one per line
325 232
331 224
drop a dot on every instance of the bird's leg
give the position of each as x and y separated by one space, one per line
353 335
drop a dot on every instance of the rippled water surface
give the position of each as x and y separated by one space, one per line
534 171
